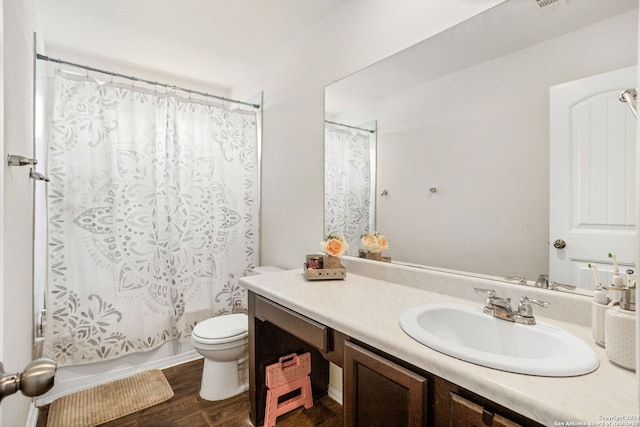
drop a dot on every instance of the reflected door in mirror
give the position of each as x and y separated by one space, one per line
592 178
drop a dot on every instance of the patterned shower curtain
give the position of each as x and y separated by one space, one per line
349 171
152 216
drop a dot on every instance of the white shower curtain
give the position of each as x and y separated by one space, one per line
349 184
152 216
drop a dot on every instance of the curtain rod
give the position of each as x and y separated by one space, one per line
137 79
348 126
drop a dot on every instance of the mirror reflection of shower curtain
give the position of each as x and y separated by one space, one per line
349 182
152 216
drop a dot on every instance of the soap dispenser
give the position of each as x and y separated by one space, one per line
620 331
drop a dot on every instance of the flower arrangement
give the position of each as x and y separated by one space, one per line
334 245
374 242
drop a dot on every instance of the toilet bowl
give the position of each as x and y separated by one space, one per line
223 342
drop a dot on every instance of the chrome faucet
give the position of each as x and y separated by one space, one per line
497 306
543 282
525 311
501 307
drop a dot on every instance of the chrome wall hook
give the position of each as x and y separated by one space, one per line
33 174
630 96
15 160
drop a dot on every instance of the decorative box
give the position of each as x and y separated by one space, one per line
324 267
376 256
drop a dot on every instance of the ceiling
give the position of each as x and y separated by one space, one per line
506 28
211 42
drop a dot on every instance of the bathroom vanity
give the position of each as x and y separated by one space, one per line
389 376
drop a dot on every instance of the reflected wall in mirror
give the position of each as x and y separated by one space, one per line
466 113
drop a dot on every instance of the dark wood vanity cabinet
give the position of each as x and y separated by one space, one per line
276 331
381 393
379 389
465 413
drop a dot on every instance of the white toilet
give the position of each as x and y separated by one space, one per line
223 342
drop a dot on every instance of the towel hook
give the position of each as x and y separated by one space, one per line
15 160
630 96
33 174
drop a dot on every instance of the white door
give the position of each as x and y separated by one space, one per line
592 177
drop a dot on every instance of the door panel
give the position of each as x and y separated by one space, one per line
592 177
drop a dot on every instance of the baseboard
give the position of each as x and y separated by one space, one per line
76 378
335 394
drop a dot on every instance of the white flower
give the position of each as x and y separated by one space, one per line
374 242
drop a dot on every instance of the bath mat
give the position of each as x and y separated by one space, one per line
110 401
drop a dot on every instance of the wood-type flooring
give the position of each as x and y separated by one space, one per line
187 409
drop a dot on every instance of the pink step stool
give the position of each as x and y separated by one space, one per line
289 374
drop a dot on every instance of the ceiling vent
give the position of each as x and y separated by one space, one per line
544 6
545 3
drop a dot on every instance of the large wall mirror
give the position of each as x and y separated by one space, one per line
461 121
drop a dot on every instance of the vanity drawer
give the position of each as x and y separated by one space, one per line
296 324
465 413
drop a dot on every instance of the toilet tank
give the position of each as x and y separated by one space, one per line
263 269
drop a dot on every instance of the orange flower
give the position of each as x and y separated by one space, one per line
335 245
382 242
374 242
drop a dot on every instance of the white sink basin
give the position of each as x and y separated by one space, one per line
466 333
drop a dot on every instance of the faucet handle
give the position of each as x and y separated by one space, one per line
555 285
491 295
524 308
519 279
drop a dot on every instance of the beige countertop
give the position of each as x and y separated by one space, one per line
368 309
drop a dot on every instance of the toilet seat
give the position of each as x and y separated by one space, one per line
222 329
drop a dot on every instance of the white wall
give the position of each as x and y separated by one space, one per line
18 198
637 346
481 137
354 36
2 156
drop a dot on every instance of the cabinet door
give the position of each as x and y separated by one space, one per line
465 413
381 393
